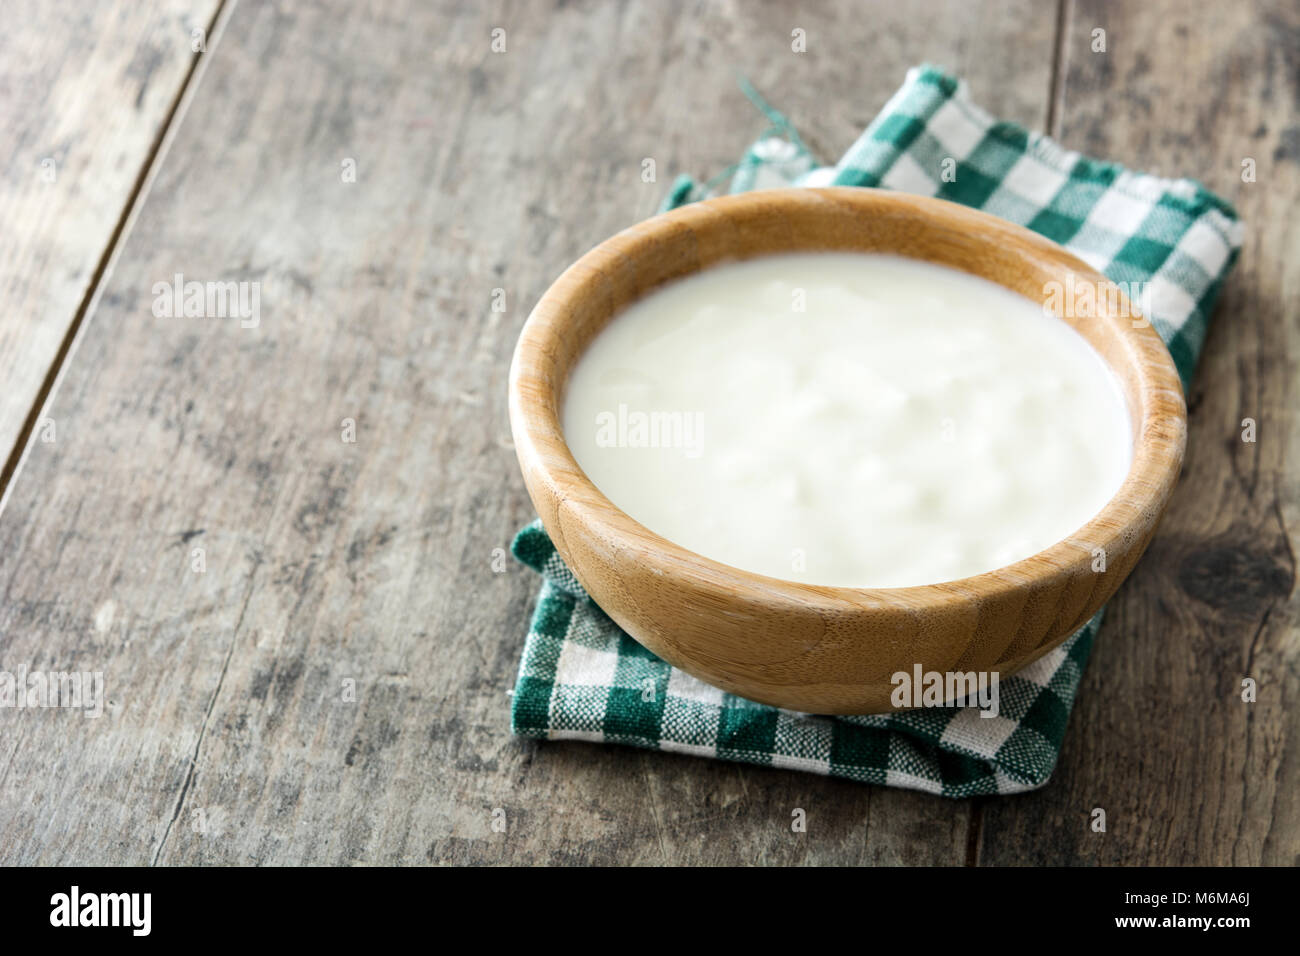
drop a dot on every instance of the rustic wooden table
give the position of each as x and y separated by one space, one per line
182 513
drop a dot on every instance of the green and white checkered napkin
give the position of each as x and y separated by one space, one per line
583 678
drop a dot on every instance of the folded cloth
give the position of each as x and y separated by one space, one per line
583 678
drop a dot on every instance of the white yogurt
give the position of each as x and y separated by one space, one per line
846 419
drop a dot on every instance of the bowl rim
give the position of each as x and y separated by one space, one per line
1159 437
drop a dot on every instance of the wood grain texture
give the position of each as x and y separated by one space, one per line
807 647
1160 738
85 91
227 738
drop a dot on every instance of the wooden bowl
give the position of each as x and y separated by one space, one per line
832 650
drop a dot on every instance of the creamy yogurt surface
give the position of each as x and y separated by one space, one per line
848 419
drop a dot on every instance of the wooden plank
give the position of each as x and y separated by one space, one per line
1161 740
85 92
228 737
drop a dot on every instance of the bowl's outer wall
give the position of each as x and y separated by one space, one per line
821 649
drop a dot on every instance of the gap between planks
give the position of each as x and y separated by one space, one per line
130 210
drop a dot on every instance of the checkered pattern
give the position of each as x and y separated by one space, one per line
582 677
